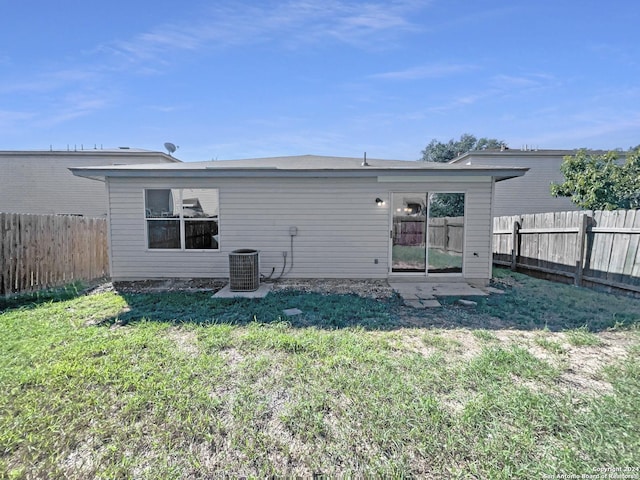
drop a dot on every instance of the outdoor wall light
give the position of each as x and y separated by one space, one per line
379 202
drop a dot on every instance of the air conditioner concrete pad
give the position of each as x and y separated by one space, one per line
261 292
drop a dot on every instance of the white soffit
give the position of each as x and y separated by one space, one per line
432 179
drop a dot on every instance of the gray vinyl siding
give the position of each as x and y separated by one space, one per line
41 183
341 230
478 231
529 193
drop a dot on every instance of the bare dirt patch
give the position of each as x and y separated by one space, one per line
467 346
102 287
415 344
378 289
581 367
585 364
171 285
186 341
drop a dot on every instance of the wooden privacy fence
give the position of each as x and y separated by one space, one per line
590 247
43 251
445 233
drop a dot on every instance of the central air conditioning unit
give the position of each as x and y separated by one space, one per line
244 270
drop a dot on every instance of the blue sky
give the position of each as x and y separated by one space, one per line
239 79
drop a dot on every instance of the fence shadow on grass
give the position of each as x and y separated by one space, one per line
537 305
526 304
32 300
318 310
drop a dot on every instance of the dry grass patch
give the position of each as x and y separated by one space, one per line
580 368
185 340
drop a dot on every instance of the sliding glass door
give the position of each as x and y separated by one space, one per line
408 235
427 234
446 232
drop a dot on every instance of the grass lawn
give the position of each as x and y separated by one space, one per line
544 379
415 256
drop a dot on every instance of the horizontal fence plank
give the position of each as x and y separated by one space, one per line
610 283
615 230
550 230
545 270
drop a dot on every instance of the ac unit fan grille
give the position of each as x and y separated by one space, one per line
244 271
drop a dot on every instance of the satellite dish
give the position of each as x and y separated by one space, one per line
170 147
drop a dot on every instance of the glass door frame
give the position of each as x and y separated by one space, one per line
420 270
427 195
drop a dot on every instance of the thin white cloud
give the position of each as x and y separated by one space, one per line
61 95
589 132
499 86
528 81
154 45
287 142
359 23
426 71
294 23
48 82
612 52
10 119
167 108
74 106
462 101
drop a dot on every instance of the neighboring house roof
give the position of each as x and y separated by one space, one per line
520 155
79 154
298 166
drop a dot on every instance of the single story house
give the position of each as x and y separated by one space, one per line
308 216
39 182
528 194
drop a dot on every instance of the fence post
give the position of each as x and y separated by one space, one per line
446 234
515 242
4 252
582 241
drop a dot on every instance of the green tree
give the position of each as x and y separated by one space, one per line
452 204
437 151
446 205
601 182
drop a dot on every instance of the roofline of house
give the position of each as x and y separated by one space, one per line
499 173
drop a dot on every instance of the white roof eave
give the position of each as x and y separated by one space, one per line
257 172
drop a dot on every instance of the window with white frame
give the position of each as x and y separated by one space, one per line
182 218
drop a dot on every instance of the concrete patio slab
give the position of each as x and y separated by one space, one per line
226 292
413 291
421 304
423 294
457 289
497 291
